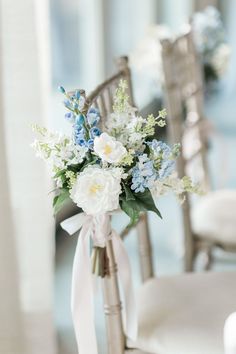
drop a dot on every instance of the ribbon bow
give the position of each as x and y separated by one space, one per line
82 306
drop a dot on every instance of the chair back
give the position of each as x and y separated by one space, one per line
102 97
184 93
185 97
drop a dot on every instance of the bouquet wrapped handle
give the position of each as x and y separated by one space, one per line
98 228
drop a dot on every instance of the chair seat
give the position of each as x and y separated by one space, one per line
214 217
185 314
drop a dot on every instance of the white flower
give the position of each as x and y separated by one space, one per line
97 190
135 138
109 149
171 183
81 102
220 58
58 150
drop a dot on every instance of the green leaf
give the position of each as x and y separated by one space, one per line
60 200
89 163
139 203
128 193
55 200
60 173
146 202
130 207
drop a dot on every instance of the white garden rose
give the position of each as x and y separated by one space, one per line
109 149
97 190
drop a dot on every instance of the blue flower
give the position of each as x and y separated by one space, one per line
159 147
94 132
90 143
79 135
67 103
77 94
70 117
80 140
143 174
93 116
165 153
79 120
78 129
167 167
61 89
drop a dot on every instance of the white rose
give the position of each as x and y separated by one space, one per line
108 148
97 190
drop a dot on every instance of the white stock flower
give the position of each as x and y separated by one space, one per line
109 149
58 150
97 190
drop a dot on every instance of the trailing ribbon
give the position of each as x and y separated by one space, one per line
82 305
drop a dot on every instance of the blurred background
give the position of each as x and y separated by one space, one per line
47 43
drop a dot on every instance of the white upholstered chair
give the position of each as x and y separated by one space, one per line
182 314
230 334
211 221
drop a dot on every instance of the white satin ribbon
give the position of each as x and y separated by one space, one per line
82 305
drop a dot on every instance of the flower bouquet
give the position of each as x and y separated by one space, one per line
210 40
105 165
122 166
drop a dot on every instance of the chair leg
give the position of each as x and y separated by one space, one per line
112 306
188 263
145 249
208 258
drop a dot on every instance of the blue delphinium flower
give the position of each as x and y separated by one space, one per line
93 116
70 117
167 167
77 94
159 147
80 140
143 174
61 89
94 132
75 105
164 152
67 103
80 136
79 120
90 144
81 103
138 181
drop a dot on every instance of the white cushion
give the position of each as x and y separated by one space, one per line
185 314
214 216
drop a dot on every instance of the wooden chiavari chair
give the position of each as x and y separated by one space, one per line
210 222
172 319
